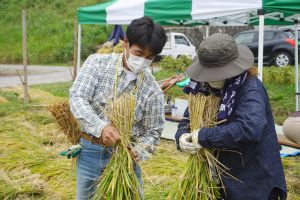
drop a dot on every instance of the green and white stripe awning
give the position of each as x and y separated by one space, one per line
185 12
189 12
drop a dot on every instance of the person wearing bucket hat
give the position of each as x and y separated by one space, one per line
247 138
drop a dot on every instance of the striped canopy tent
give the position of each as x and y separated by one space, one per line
190 12
197 12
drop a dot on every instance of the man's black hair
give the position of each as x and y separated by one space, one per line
146 34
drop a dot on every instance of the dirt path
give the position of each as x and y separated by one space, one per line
37 74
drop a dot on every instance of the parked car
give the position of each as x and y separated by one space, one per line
279 46
178 44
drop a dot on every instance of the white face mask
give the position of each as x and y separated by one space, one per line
217 84
137 64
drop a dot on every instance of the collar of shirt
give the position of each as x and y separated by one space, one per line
130 76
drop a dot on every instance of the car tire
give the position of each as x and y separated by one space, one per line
282 59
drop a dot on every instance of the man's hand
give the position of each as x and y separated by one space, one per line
110 135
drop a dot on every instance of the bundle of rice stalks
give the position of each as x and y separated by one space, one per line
118 180
202 176
67 122
119 47
107 48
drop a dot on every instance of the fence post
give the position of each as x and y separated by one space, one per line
25 80
75 50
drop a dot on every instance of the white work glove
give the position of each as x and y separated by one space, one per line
186 143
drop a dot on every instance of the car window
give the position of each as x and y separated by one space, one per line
284 35
181 40
268 35
289 34
245 38
293 36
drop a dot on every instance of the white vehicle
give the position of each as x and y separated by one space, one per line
178 44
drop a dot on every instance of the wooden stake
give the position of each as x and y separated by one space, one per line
72 74
24 82
20 76
75 49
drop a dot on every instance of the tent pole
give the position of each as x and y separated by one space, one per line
207 31
296 67
261 44
78 49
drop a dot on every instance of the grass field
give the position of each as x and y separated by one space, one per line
30 142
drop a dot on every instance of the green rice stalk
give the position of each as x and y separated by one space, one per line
119 180
203 171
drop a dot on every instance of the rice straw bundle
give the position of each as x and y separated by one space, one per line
67 122
109 48
118 180
203 171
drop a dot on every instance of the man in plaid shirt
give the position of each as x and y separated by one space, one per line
95 85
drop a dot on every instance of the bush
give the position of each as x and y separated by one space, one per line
280 75
167 62
179 64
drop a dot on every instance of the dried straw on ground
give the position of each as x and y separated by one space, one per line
203 171
22 181
118 180
67 122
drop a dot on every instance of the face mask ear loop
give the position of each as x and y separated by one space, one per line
116 78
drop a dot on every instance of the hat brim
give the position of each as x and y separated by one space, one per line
202 73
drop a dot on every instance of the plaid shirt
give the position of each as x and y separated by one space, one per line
94 86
